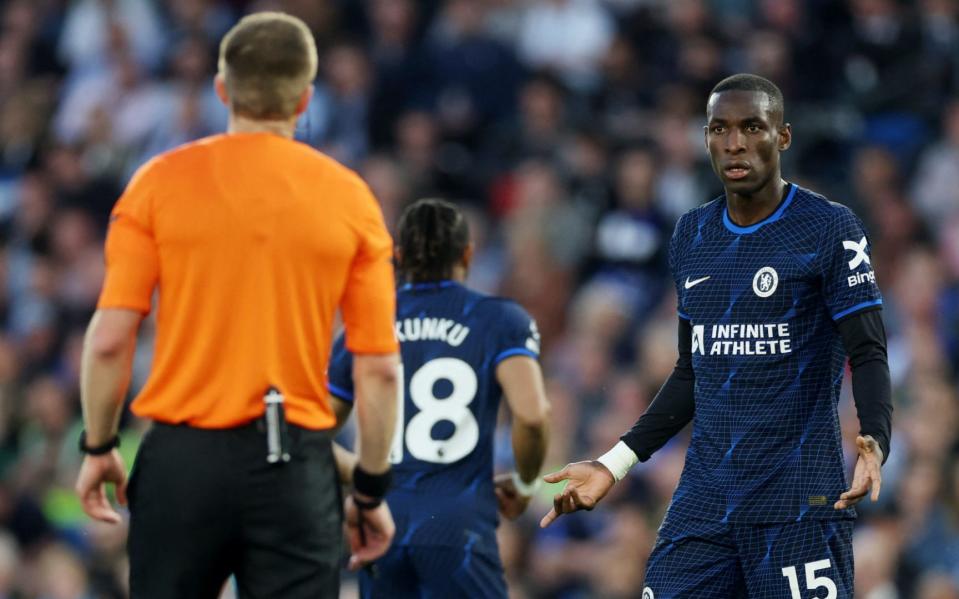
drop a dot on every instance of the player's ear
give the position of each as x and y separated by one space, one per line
219 85
785 136
467 258
706 137
304 100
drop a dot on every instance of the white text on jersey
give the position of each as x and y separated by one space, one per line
742 339
861 277
431 329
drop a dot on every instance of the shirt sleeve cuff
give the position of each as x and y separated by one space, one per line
339 392
516 351
619 460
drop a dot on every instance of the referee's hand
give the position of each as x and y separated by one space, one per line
95 472
369 532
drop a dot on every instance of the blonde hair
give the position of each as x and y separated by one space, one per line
266 61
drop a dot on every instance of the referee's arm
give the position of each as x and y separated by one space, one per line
105 369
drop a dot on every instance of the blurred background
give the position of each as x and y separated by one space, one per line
571 133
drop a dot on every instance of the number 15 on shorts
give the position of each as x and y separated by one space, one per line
813 582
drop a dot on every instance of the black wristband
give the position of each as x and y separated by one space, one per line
99 449
367 505
372 485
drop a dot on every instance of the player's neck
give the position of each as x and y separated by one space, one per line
241 124
746 210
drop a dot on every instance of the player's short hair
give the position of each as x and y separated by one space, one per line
753 83
432 237
266 61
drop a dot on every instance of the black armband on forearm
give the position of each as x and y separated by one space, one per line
864 337
374 486
673 406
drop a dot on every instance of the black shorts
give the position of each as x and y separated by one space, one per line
205 504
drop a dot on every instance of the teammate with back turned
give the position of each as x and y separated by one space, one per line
461 352
775 287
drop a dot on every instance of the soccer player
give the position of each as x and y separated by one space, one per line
461 351
251 242
775 288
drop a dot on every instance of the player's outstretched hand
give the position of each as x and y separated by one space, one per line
588 483
511 503
95 472
369 532
867 475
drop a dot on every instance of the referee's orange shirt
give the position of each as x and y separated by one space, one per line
253 240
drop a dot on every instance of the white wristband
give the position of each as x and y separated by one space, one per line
523 488
619 460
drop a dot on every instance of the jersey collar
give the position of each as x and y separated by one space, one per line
429 285
733 227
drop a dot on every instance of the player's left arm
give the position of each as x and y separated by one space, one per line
864 338
521 378
852 296
339 384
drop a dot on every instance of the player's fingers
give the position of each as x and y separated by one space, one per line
876 485
559 502
850 497
855 493
371 551
582 502
355 564
548 518
844 503
555 477
353 534
569 504
502 499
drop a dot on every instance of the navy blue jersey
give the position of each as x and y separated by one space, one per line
762 302
451 340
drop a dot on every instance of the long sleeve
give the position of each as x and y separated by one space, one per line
864 337
673 406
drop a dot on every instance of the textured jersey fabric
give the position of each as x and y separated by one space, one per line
717 560
762 302
451 340
253 241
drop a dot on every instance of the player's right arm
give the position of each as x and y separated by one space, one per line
375 380
670 411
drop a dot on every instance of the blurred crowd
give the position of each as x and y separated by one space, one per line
571 133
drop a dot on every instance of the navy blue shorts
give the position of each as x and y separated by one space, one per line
713 560
434 572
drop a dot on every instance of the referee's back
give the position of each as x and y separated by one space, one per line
247 243
258 239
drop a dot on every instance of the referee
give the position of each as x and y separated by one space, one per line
251 242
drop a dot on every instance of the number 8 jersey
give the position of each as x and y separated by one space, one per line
451 341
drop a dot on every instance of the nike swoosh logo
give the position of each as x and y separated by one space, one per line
690 284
